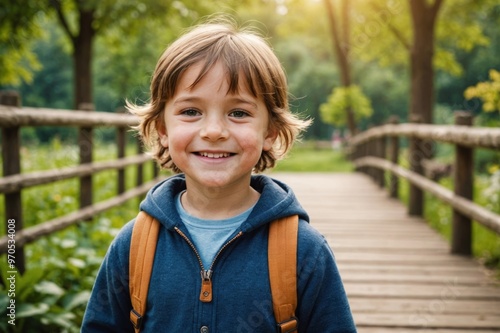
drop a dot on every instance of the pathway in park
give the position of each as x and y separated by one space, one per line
398 272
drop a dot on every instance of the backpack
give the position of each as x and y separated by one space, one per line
282 256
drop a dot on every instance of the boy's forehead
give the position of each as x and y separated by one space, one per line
216 77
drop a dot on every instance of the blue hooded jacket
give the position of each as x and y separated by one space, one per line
241 300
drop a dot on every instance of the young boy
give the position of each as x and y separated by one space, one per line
219 112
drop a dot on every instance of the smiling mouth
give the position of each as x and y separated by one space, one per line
215 155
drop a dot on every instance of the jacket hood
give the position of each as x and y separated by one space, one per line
277 200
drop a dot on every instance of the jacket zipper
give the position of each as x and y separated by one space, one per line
206 275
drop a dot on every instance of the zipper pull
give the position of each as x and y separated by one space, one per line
206 286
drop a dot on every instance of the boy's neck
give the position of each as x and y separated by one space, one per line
218 204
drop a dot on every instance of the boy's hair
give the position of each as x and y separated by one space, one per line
240 51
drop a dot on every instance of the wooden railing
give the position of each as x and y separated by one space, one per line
12 118
377 150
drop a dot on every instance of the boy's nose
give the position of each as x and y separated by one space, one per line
214 129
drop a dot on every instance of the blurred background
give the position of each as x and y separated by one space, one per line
351 65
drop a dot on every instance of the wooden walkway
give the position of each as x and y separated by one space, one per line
397 271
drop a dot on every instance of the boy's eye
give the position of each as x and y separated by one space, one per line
190 112
238 114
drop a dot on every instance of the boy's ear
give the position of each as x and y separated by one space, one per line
162 134
271 136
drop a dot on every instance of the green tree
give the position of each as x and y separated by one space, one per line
82 21
342 98
422 35
341 41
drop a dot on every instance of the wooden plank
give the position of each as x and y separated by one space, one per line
450 289
397 305
416 269
404 259
398 278
421 330
429 320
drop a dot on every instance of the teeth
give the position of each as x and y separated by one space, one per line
214 155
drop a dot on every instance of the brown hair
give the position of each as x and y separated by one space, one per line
240 52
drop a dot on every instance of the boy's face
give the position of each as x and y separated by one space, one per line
215 137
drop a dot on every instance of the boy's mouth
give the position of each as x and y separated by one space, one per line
214 155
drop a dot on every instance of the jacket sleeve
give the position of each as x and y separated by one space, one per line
109 305
322 300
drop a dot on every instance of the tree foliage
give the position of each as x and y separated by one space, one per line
386 25
488 92
18 27
333 111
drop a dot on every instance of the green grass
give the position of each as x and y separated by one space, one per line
307 158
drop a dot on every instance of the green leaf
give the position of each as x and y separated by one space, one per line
30 310
25 283
49 288
78 263
63 319
71 301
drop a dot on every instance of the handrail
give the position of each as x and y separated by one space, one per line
467 207
34 233
370 150
9 184
13 118
478 137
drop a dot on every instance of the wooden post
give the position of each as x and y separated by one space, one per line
372 151
461 242
156 170
353 154
394 156
361 154
381 152
11 146
121 142
140 167
357 154
366 153
85 142
416 155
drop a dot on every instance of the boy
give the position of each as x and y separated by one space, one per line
218 112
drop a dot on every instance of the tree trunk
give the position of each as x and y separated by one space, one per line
82 48
421 55
341 48
424 15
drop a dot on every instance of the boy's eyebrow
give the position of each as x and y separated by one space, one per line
232 99
243 101
186 99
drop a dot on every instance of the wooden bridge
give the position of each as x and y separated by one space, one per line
398 272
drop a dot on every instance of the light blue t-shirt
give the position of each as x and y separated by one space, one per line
209 235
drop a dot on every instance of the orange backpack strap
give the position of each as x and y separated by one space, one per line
142 254
282 257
